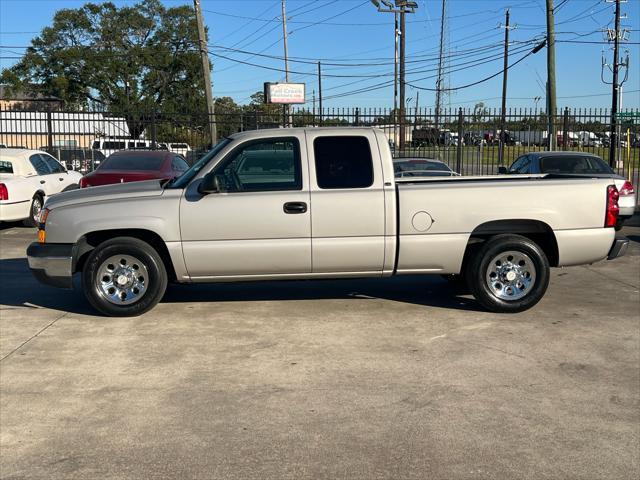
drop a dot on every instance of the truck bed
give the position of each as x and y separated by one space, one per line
437 216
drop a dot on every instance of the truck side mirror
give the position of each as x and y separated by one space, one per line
502 170
209 184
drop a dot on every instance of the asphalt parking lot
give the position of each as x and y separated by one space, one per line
366 379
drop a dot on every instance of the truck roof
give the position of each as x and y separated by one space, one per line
285 131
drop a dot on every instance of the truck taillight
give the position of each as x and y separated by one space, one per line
4 193
627 188
611 216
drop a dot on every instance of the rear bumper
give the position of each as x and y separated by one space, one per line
52 264
618 249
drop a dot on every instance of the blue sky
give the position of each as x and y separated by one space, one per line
353 32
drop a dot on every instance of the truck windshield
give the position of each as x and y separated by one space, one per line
187 176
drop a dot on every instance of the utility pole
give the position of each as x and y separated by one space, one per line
287 107
313 93
401 7
615 36
440 65
503 113
206 74
403 38
320 92
614 90
551 76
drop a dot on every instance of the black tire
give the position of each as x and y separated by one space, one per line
73 186
493 294
36 205
155 277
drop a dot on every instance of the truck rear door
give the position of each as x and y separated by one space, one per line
347 202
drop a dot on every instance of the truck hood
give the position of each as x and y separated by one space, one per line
116 191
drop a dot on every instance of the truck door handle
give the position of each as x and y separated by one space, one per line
61 179
42 181
295 207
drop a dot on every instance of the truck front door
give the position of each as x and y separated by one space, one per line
259 223
348 201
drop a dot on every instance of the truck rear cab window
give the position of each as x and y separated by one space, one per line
343 162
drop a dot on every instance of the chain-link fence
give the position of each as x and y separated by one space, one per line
470 141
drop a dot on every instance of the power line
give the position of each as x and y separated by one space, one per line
246 24
479 81
386 84
377 75
331 17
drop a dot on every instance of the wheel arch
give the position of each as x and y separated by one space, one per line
91 240
535 230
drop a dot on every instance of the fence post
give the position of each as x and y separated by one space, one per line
50 131
460 140
154 133
565 126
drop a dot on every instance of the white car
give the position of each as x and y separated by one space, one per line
27 177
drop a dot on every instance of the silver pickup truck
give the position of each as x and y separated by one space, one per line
317 203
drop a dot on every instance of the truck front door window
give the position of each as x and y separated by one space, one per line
262 166
343 162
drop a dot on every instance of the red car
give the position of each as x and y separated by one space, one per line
134 166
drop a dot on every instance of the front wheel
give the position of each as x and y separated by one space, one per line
508 274
124 277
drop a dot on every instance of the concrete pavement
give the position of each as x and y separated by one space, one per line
366 379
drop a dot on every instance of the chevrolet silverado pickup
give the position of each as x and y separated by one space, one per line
321 203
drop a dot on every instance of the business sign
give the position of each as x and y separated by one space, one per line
631 117
283 92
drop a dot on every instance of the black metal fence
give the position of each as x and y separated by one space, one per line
470 141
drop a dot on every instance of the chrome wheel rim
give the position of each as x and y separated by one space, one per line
36 208
122 279
511 275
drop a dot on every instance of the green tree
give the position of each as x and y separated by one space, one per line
228 116
261 115
133 58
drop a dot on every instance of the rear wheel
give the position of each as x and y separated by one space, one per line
124 277
34 212
508 274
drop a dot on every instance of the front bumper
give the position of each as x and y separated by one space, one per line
52 264
618 249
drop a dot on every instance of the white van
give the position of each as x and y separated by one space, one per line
179 147
109 145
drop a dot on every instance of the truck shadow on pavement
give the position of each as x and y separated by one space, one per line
21 289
